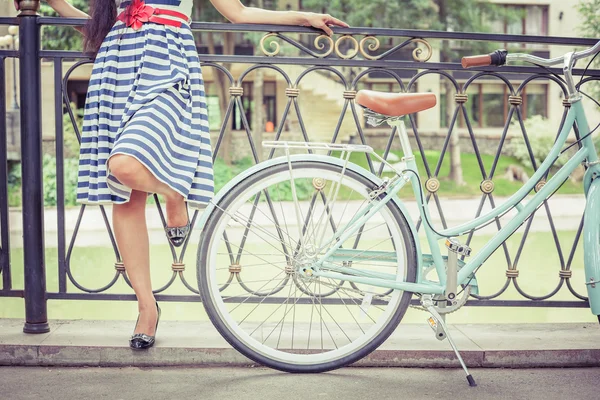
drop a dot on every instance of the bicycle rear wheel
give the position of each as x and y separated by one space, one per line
255 246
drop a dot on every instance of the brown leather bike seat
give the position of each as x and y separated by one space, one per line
395 104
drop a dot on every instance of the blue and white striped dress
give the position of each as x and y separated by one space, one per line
146 99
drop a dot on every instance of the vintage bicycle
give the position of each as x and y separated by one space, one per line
330 256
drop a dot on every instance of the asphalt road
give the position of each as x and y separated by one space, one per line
17 383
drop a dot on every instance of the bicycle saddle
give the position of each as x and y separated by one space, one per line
395 104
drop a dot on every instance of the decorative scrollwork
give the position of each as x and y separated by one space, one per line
372 47
352 53
273 44
318 43
417 52
374 44
366 45
321 46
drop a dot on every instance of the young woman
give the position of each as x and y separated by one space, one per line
145 126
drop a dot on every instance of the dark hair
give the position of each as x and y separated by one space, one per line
103 15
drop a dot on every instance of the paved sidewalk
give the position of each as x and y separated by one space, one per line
104 343
19 383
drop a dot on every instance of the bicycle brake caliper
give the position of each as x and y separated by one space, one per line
379 189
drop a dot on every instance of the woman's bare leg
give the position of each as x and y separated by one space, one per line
135 175
129 222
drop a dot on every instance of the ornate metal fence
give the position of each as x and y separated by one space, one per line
351 57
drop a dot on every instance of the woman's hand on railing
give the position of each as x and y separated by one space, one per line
237 13
324 21
16 5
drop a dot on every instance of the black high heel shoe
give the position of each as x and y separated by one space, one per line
178 234
141 341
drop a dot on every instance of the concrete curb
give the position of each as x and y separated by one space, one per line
88 356
104 344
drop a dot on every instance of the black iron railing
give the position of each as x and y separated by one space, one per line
354 49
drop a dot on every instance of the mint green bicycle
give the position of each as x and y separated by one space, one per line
308 262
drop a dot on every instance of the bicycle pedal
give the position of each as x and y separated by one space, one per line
440 334
454 246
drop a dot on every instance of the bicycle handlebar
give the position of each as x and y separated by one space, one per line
501 57
496 58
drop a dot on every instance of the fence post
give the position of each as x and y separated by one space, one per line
36 316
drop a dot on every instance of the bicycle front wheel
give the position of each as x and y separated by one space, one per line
266 232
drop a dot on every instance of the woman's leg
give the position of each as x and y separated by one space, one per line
135 175
129 222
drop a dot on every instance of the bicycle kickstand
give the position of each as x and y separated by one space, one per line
438 324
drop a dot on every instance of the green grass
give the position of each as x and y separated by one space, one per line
472 174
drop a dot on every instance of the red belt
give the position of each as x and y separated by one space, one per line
138 12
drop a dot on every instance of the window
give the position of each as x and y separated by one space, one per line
529 20
488 106
535 101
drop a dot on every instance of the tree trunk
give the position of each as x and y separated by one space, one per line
455 173
222 85
258 115
454 147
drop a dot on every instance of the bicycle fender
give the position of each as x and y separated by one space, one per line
308 157
591 245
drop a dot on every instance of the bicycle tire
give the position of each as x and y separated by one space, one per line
226 329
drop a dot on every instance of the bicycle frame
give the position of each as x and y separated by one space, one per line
325 268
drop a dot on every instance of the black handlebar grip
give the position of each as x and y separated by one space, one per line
498 57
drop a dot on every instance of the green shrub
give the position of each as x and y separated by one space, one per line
49 182
541 134
70 142
14 186
70 180
223 173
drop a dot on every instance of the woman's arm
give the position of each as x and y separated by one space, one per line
237 13
63 9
